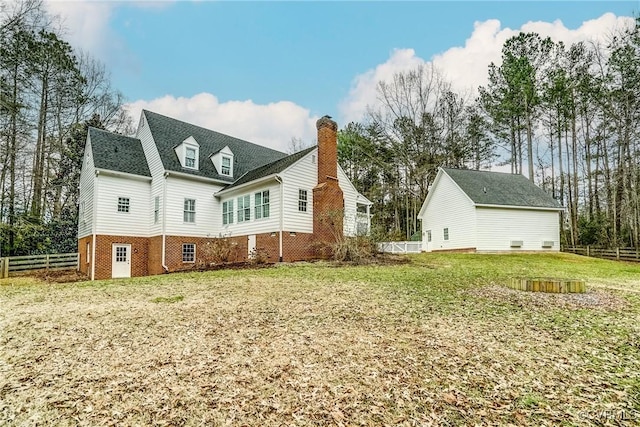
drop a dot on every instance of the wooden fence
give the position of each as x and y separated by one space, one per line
400 247
20 264
619 254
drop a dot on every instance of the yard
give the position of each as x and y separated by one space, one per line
436 341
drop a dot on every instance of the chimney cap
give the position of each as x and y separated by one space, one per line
325 121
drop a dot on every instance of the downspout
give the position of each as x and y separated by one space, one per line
279 179
93 227
164 224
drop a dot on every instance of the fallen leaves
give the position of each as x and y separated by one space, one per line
313 346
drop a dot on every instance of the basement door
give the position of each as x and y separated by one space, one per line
121 260
251 246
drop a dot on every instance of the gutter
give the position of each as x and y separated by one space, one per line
196 177
93 226
164 223
127 175
279 179
246 184
530 208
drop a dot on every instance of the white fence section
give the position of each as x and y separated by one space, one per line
400 247
19 264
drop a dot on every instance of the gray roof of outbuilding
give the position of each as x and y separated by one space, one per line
168 133
502 189
120 153
271 168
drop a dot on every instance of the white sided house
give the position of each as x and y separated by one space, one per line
469 210
169 198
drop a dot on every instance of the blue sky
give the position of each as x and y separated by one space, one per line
225 64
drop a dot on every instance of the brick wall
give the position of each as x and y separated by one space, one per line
327 149
205 251
155 255
85 267
299 247
328 200
139 255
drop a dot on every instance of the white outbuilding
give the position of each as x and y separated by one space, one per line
481 211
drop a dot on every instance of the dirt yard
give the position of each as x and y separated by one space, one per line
434 342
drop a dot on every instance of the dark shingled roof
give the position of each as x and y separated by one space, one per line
168 133
504 189
271 168
118 152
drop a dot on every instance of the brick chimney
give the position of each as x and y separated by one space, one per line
328 202
327 149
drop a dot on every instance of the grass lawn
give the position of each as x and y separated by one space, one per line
436 341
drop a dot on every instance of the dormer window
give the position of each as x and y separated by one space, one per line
187 152
226 166
223 161
190 158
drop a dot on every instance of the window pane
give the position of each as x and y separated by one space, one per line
190 158
189 210
123 204
188 252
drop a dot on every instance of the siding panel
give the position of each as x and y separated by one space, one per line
350 195
303 175
253 226
157 173
87 176
208 221
111 222
497 227
449 208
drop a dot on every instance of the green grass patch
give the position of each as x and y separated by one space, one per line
175 298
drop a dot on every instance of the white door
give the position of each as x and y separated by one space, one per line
426 241
121 260
251 246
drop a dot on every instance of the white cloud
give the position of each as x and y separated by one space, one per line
363 87
85 23
272 125
466 66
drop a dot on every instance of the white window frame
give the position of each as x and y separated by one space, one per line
124 204
303 200
445 233
190 254
156 210
227 212
189 212
428 235
88 252
191 162
225 169
244 208
261 208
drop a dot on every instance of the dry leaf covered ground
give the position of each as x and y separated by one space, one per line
437 341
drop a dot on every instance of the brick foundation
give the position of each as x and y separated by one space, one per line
139 255
85 264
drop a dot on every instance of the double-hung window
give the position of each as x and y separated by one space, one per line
262 204
123 204
302 200
156 210
189 210
227 212
190 158
189 252
226 166
244 210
